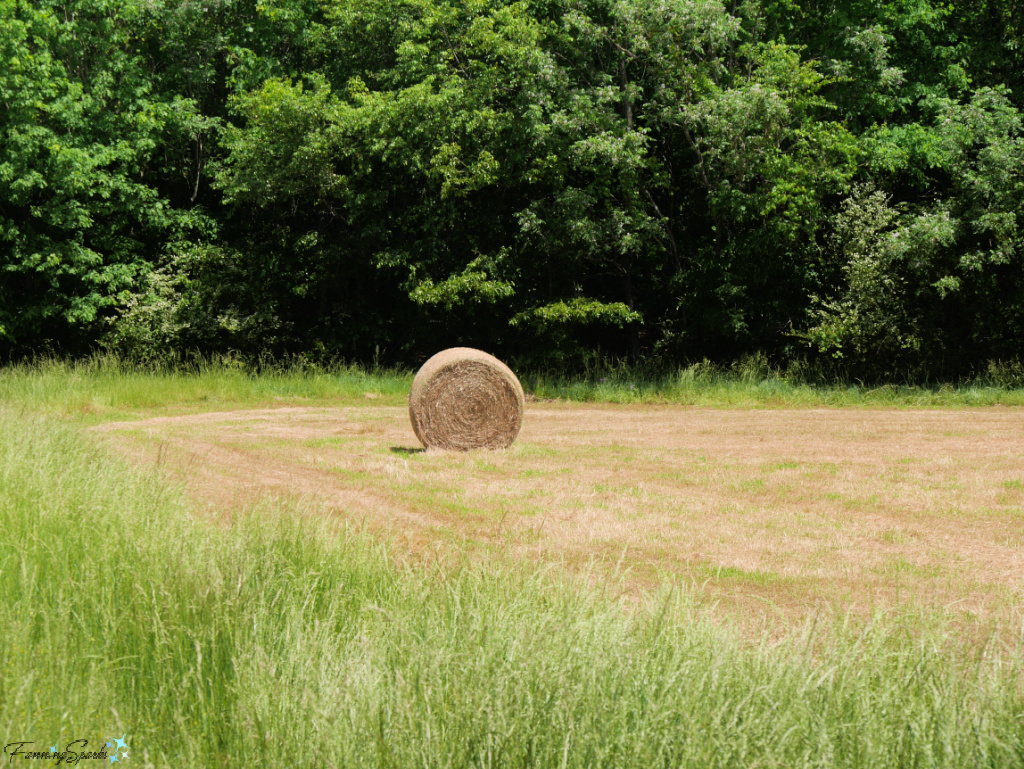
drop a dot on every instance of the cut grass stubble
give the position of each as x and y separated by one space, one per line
283 640
862 508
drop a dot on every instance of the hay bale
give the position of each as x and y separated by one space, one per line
465 399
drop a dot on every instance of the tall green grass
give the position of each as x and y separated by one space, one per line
280 640
753 383
106 387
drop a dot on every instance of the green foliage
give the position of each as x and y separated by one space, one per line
562 329
81 128
1008 374
871 323
194 301
768 158
920 278
579 310
386 177
471 285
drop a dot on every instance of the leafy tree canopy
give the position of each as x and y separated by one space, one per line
547 179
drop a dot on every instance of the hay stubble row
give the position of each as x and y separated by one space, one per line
794 507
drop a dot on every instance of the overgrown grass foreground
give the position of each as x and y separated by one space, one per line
107 386
281 640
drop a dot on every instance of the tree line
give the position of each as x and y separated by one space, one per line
838 184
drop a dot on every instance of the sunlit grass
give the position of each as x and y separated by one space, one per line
282 640
756 385
108 387
105 387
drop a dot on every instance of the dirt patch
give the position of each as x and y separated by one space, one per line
792 507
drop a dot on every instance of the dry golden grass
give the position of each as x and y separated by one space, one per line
783 510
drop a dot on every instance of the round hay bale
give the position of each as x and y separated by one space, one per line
464 399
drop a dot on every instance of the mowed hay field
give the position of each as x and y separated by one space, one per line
779 510
226 570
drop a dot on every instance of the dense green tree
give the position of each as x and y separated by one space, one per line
82 128
548 179
931 281
527 158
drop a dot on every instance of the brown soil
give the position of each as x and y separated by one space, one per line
786 509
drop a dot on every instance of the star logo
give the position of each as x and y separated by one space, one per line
116 745
53 749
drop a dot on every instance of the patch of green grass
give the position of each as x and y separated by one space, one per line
482 465
534 450
756 385
893 536
104 388
772 467
330 442
899 565
870 502
733 574
751 485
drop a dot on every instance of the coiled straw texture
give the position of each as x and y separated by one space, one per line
464 399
